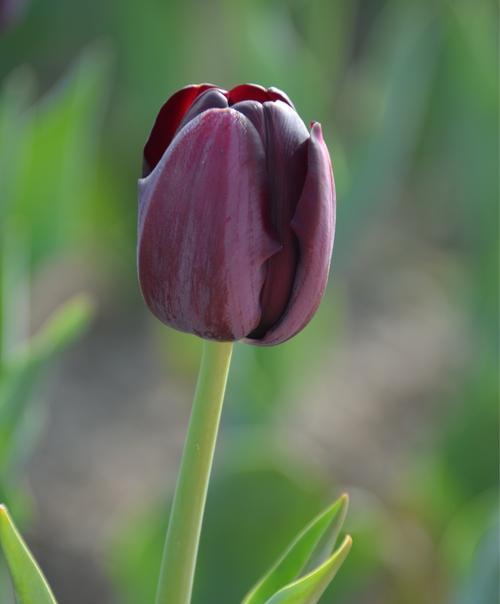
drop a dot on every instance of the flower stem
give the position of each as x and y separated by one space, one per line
183 535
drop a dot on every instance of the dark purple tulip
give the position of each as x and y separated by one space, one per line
236 215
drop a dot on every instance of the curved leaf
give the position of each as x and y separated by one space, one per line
309 550
30 585
22 371
309 589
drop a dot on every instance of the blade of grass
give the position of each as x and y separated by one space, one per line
30 585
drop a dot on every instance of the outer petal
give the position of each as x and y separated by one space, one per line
285 138
202 242
167 122
210 99
278 95
314 226
254 92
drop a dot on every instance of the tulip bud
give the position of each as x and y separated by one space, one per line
236 215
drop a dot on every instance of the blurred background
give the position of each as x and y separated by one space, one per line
391 393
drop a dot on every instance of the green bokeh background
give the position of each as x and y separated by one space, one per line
391 393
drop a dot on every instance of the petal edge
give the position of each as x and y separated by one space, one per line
167 121
314 226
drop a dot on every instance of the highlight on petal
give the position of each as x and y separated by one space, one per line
203 239
314 227
167 122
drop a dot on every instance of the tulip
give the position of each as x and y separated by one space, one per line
236 215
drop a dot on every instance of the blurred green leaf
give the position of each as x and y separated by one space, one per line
396 80
14 290
21 373
30 585
310 549
15 96
54 154
66 324
482 584
464 532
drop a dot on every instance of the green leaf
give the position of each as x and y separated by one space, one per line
480 584
253 472
52 151
30 585
309 589
309 553
66 324
21 373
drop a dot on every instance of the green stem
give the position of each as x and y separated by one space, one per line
183 535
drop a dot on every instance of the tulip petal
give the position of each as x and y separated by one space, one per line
286 154
167 122
203 241
314 227
254 92
210 99
278 95
285 137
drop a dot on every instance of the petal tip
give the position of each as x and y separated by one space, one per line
317 131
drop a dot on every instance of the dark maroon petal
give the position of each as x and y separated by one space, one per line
285 138
202 241
278 95
210 99
247 92
254 92
314 227
167 122
254 111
